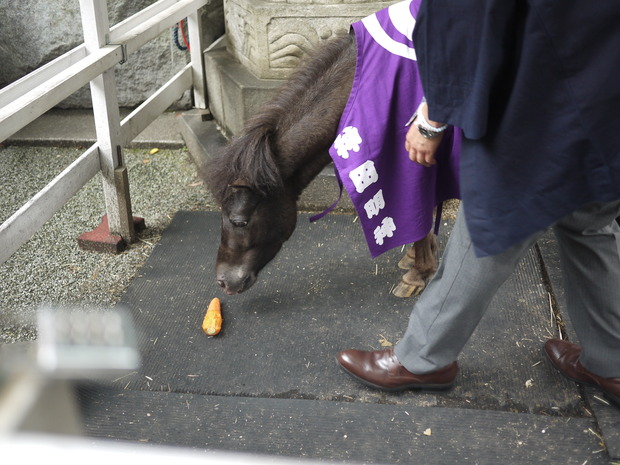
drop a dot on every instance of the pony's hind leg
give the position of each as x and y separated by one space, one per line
424 266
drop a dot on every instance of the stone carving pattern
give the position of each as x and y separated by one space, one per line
290 39
324 2
272 37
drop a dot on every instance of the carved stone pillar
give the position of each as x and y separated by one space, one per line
265 41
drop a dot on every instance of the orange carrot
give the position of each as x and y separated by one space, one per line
212 324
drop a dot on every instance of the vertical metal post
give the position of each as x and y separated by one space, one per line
197 47
96 27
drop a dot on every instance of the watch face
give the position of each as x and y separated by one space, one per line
426 133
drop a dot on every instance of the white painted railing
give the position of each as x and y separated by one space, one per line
93 62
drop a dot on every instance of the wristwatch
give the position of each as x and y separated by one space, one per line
424 127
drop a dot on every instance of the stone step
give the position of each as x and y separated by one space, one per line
339 431
74 128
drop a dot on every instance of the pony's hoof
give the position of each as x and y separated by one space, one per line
405 290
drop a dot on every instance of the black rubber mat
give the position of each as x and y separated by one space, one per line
343 431
324 293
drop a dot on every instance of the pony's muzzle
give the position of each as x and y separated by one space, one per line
236 282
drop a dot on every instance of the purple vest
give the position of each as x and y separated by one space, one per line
393 196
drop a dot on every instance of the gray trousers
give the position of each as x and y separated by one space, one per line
451 306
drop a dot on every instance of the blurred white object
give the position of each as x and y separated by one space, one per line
36 390
82 344
31 448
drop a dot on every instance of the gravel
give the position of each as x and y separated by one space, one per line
50 268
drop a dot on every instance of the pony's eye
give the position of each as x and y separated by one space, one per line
239 223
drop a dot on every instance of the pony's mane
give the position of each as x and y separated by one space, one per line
251 157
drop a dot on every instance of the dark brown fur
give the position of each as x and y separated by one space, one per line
294 130
259 176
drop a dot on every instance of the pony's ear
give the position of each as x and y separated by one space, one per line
243 201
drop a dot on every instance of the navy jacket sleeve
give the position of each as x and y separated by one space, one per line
461 48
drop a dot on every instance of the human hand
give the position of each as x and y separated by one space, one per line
421 150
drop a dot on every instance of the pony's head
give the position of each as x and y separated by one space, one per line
259 213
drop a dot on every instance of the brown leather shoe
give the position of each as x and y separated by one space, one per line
381 369
565 357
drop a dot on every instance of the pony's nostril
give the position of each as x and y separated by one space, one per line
221 283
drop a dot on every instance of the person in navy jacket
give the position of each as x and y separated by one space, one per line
534 86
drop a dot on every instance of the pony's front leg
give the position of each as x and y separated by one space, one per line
408 260
423 260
